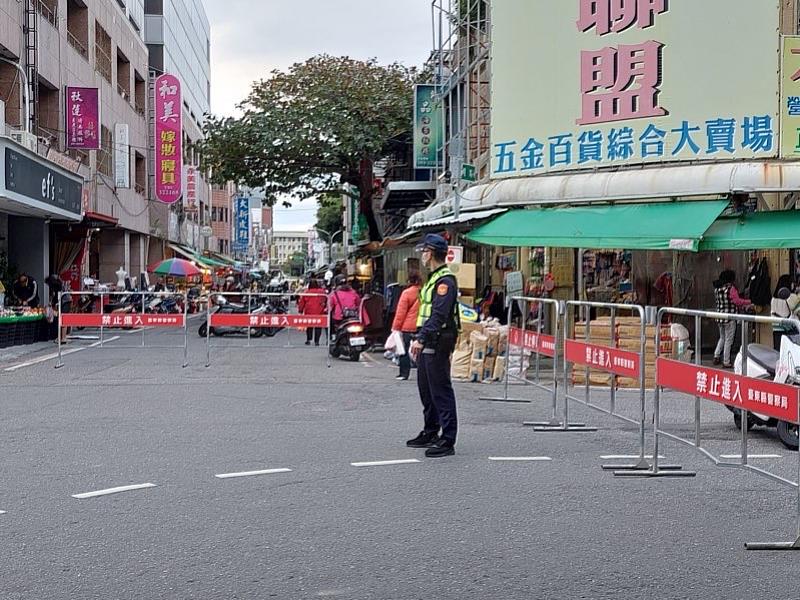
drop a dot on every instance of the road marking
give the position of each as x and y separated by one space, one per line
2 512
623 456
521 458
115 490
739 456
67 352
251 473
381 463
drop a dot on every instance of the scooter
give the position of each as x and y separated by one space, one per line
223 306
762 362
348 340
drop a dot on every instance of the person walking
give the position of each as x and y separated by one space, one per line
438 323
405 321
729 302
313 304
784 304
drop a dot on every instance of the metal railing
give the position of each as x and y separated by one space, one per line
48 14
102 62
78 45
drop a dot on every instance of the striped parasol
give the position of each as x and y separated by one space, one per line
176 267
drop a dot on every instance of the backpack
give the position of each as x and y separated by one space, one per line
758 284
347 312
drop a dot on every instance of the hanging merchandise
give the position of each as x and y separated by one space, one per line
758 283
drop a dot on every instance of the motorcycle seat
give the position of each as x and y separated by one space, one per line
764 356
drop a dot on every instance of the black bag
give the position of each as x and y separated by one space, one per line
758 284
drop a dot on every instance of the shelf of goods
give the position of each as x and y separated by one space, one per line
17 329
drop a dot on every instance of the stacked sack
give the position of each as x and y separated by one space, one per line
480 354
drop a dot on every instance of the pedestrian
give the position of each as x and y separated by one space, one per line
26 291
313 303
785 303
438 323
405 321
728 302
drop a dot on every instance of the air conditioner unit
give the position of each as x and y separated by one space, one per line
23 138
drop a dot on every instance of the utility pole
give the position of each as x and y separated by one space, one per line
330 241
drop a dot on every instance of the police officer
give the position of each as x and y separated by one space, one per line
437 330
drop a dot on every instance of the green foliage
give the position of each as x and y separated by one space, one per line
296 265
306 131
329 216
8 273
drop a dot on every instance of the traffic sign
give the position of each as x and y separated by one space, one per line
467 172
455 255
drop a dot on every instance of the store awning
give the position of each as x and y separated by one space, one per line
464 217
184 252
754 231
651 226
403 195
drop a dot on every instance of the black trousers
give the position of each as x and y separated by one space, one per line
437 395
316 332
405 360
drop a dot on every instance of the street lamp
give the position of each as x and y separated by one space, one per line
330 241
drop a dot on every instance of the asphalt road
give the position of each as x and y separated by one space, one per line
463 527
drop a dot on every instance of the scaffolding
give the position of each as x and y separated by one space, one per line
460 63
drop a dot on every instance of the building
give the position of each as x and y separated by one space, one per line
221 202
47 45
178 37
286 243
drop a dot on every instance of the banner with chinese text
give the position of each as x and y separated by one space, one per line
168 141
82 117
241 223
428 129
582 84
790 97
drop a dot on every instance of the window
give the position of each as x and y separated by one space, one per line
154 7
123 76
139 93
102 52
49 11
106 153
78 28
140 174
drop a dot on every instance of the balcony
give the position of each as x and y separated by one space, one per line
79 47
102 63
126 94
140 189
49 13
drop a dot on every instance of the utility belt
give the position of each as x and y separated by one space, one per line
445 339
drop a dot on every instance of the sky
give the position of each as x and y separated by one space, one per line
250 38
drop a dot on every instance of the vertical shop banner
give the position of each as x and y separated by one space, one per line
790 97
190 190
122 156
168 142
428 128
582 84
82 116
241 223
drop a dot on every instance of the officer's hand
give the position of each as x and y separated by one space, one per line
414 350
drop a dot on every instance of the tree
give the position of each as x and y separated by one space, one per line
329 216
307 131
296 264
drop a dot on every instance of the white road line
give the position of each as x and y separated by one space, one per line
521 458
251 473
381 463
623 456
739 456
115 490
53 356
2 512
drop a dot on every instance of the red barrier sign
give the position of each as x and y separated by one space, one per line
756 395
532 340
246 320
605 358
120 320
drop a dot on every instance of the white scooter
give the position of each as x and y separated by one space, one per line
762 363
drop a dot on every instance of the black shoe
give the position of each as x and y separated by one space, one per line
308 343
441 448
423 440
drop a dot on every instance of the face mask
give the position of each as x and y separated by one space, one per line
426 259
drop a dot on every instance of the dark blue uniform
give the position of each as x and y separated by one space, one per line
438 336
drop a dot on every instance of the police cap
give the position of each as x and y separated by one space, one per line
433 242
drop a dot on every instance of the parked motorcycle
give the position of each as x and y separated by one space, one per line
223 306
762 362
348 340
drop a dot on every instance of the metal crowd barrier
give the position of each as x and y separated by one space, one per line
536 342
778 400
134 315
612 360
264 315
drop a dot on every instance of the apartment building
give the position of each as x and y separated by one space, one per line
47 45
286 243
221 203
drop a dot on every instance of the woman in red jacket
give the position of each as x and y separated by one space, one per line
313 305
405 320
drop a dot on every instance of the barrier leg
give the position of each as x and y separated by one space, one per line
504 397
60 362
185 332
208 334
554 425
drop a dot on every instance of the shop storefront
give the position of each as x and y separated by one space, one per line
35 196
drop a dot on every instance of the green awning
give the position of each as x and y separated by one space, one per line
754 231
650 226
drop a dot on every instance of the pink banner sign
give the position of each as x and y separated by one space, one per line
168 147
82 115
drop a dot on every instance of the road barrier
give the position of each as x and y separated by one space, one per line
136 310
260 314
780 401
537 343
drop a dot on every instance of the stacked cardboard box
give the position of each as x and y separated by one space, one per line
480 353
627 332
